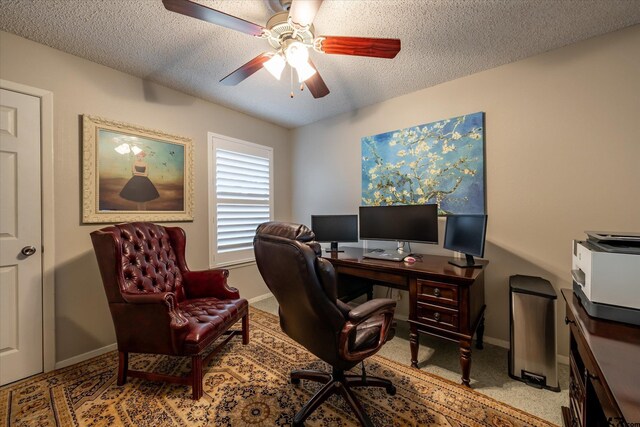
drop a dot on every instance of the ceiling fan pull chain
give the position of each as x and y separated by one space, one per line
291 82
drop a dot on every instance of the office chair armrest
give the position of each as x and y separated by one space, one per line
168 299
376 307
371 308
209 283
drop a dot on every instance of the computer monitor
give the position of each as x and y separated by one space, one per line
466 234
402 223
334 229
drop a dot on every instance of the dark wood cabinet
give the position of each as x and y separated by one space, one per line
604 370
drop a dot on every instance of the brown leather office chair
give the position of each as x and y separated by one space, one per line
158 306
305 286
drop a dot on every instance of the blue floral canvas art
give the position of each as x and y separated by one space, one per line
440 162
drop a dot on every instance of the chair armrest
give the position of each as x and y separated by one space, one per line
371 308
376 307
209 283
167 299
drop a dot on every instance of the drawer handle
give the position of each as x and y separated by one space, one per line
567 321
436 292
436 316
590 375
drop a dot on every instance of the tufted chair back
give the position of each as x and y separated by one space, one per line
147 260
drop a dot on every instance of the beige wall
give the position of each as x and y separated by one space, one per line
562 157
83 322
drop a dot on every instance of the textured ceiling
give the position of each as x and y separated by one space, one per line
441 40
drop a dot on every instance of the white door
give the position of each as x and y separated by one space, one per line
20 237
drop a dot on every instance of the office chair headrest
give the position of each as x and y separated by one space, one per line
288 230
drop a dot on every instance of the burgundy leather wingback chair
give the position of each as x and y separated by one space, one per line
158 306
310 313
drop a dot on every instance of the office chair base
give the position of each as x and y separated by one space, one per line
337 383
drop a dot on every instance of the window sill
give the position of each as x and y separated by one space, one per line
231 265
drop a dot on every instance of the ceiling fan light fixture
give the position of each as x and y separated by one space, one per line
305 70
275 65
291 33
296 54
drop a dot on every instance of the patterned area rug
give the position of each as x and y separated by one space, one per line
243 386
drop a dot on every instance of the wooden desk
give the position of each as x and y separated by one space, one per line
604 375
444 300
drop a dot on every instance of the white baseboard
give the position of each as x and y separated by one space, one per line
85 356
496 341
260 297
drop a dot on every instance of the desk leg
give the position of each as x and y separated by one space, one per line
465 361
414 338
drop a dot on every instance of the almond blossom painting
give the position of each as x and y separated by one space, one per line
440 162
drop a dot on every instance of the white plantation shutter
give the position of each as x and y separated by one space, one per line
241 198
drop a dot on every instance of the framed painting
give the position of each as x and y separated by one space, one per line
131 173
440 162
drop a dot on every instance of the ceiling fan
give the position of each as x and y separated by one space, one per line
291 34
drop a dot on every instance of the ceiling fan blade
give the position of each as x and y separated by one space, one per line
360 46
195 10
302 12
316 85
246 70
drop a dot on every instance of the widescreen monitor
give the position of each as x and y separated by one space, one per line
466 234
334 229
402 223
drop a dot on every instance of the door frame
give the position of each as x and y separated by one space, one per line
48 224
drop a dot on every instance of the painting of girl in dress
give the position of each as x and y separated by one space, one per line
139 174
131 173
139 188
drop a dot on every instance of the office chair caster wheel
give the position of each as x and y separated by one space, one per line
297 423
391 390
295 381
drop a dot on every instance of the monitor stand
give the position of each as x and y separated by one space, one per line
333 248
469 263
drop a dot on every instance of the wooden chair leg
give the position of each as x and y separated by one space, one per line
245 329
123 367
196 376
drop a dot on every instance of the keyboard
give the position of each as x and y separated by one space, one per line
390 255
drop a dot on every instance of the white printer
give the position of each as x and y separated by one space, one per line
606 275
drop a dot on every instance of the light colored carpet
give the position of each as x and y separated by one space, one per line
489 370
243 386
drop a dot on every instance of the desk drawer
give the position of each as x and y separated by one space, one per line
437 293
440 317
378 276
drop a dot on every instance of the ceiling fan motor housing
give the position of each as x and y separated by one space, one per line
281 30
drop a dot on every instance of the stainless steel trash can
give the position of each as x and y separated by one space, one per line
532 357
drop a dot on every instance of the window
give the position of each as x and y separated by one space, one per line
240 197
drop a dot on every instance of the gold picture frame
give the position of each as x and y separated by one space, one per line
131 173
